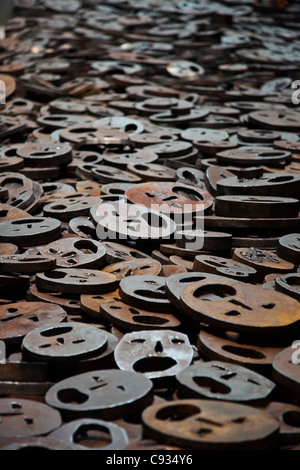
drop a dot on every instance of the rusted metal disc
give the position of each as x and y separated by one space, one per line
24 418
277 119
63 121
109 174
115 252
91 434
10 86
70 304
74 281
256 206
184 69
289 284
8 248
93 135
177 282
287 415
18 319
124 124
240 307
224 267
263 261
221 381
171 149
238 348
64 342
159 355
117 189
253 156
26 264
34 443
213 175
203 240
278 184
29 232
286 368
46 155
133 222
20 189
146 292
202 134
210 425
67 208
133 157
70 252
135 319
190 176
90 304
171 198
101 394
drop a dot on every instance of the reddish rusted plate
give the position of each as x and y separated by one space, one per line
240 307
210 425
65 342
170 198
133 268
90 304
238 348
224 267
26 263
286 368
263 261
91 434
75 252
30 231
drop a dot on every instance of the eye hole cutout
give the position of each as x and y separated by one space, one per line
177 412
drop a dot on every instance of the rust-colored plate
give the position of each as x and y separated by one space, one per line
91 434
18 319
238 348
240 307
